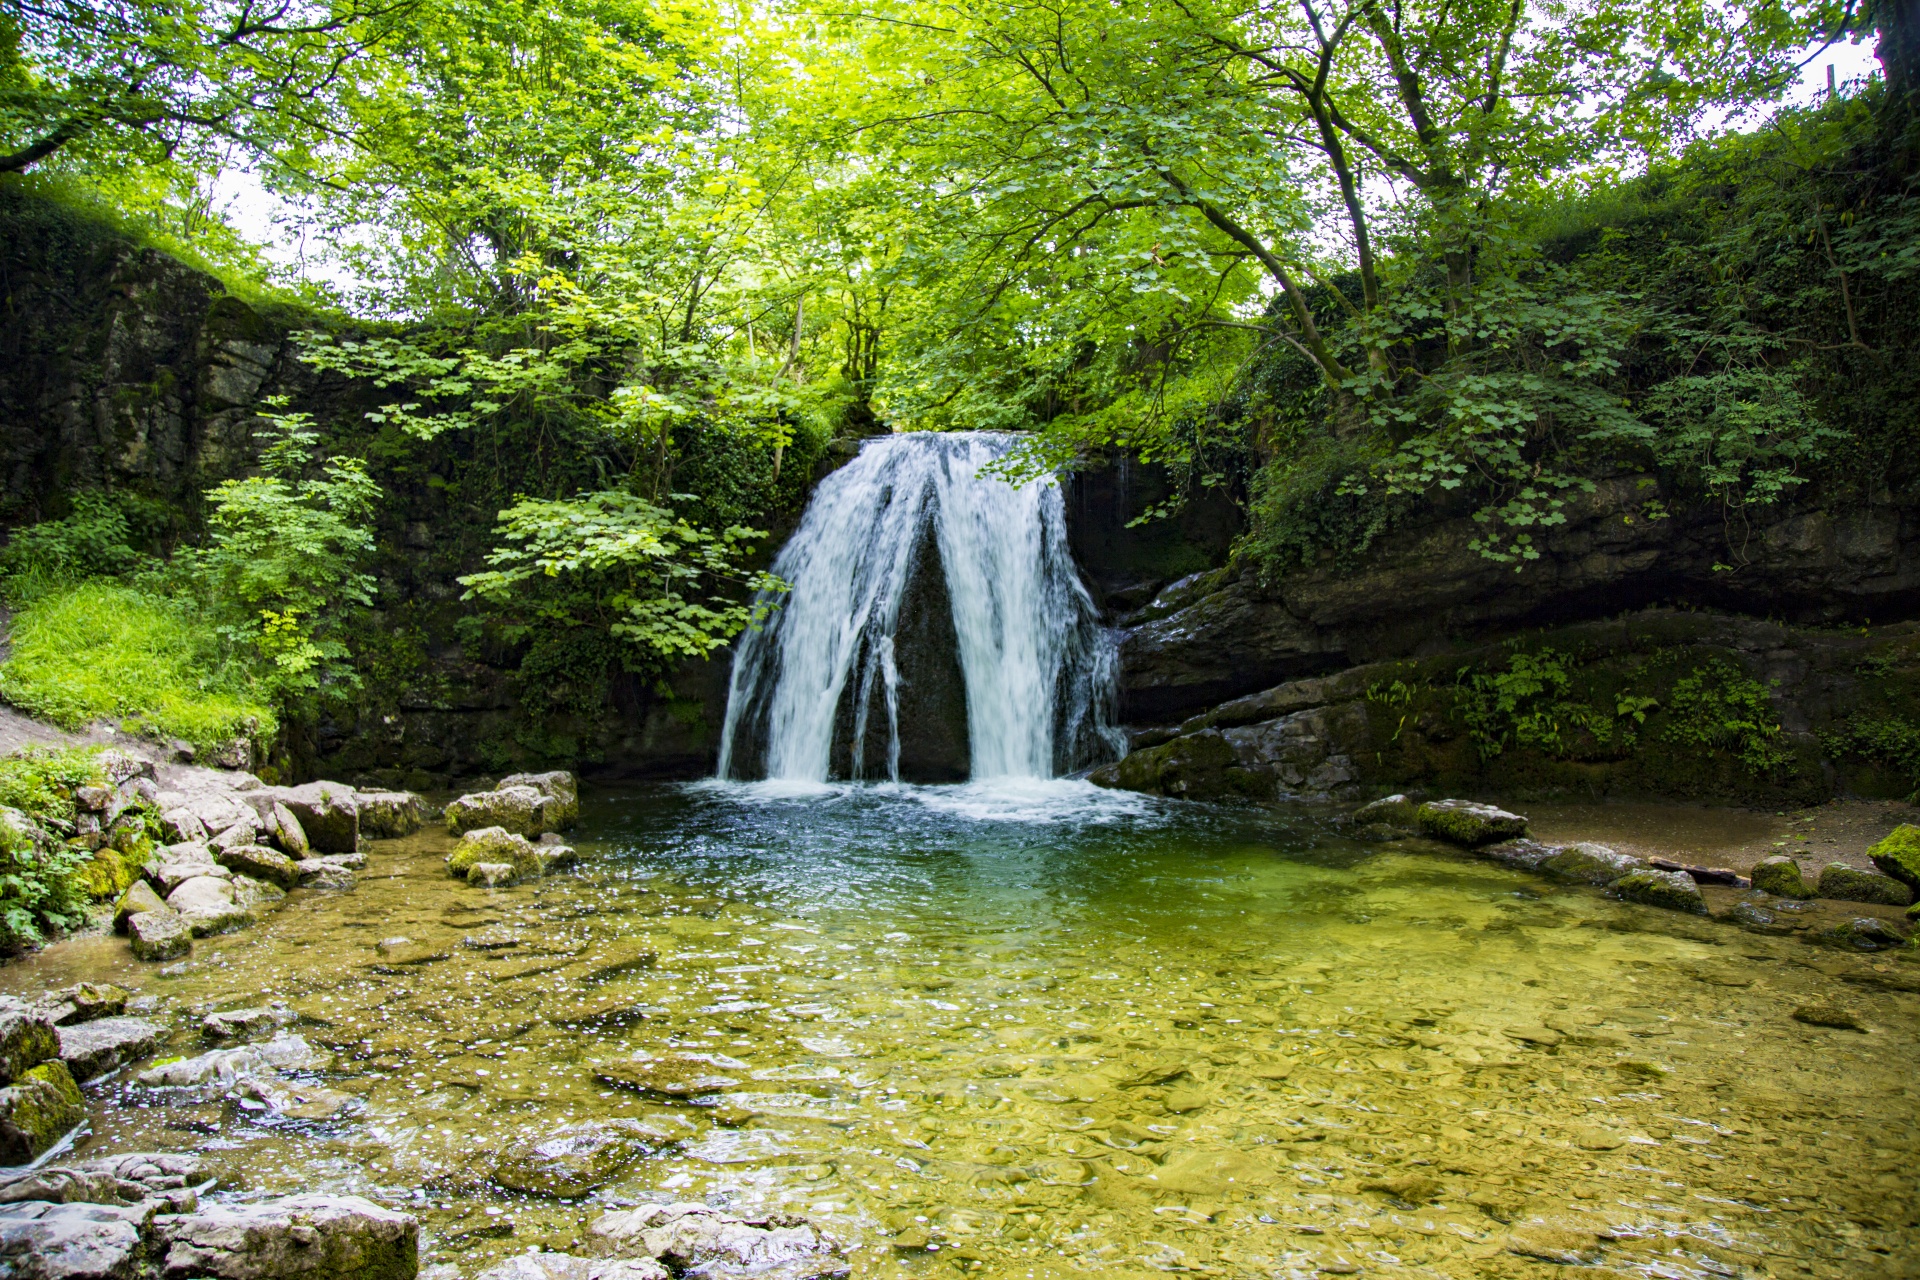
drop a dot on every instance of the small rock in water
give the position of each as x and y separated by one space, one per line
236 1023
694 1239
1588 863
95 1048
562 1266
576 1158
491 844
1829 1015
1671 890
324 875
139 897
493 937
1846 884
1755 918
224 1067
1862 933
292 1099
676 1077
1780 876
159 935
1414 1188
1464 822
491 875
1559 1245
208 905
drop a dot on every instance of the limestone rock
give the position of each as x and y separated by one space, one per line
1588 863
520 810
388 815
319 873
226 1067
159 935
235 1024
1521 855
1464 822
40 1240
296 1100
293 1238
1196 766
259 862
562 1266
95 1048
574 1159
328 815
140 896
492 875
1898 856
208 905
1780 876
182 825
1836 1016
241 833
90 1000
694 1239
37 1110
175 864
27 1039
1394 811
1845 884
1863 933
562 790
151 1170
492 844
1672 890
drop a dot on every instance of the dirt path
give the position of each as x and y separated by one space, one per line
1839 831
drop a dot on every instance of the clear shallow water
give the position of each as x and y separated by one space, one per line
1061 1031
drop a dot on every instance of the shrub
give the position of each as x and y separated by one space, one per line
102 650
94 540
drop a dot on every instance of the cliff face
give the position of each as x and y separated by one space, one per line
122 368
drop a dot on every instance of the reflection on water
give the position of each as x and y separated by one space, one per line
1047 1029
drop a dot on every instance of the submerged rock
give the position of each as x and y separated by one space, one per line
1780 876
694 1239
1862 933
95 1048
1836 1016
236 1023
1671 890
1846 884
159 935
295 1238
680 1076
1464 822
225 1067
576 1158
37 1110
562 1266
323 874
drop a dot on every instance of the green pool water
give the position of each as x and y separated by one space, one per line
1043 1029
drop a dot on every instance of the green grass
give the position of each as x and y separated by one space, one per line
103 651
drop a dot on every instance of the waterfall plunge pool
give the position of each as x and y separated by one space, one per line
1054 1031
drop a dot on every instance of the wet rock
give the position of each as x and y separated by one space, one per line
236 1024
520 810
86 1001
1862 933
208 905
1413 1188
1670 890
37 1110
388 815
159 935
1567 1247
677 1076
618 957
1829 1015
492 875
40 1240
95 1048
27 1038
549 858
1210 1173
1395 811
693 1239
57 1184
493 937
281 825
324 875
139 897
295 1238
1196 766
1522 855
574 1159
226 1067
1588 863
181 826
1898 856
492 844
1846 884
295 1100
405 952
240 833
561 1266
1463 822
1700 875
1755 918
1780 876
328 815
174 865
260 863
151 1170
562 791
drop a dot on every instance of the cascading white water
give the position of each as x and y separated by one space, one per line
1037 667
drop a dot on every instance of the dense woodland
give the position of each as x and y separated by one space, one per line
608 280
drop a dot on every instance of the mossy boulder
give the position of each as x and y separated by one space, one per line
388 815
1780 876
1863 933
159 935
37 1110
1392 811
1587 863
27 1039
328 815
1463 822
260 863
562 791
518 810
493 845
140 896
1195 766
1898 856
1668 890
1849 884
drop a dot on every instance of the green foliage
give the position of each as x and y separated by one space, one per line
1891 742
42 780
1529 705
41 888
92 541
1722 707
615 561
101 650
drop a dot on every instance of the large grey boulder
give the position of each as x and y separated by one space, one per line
140 896
562 790
180 824
328 815
95 1048
39 1108
41 1240
294 1238
694 1239
519 810
159 935
27 1038
388 815
208 905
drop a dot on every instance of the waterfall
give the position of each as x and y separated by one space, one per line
823 679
